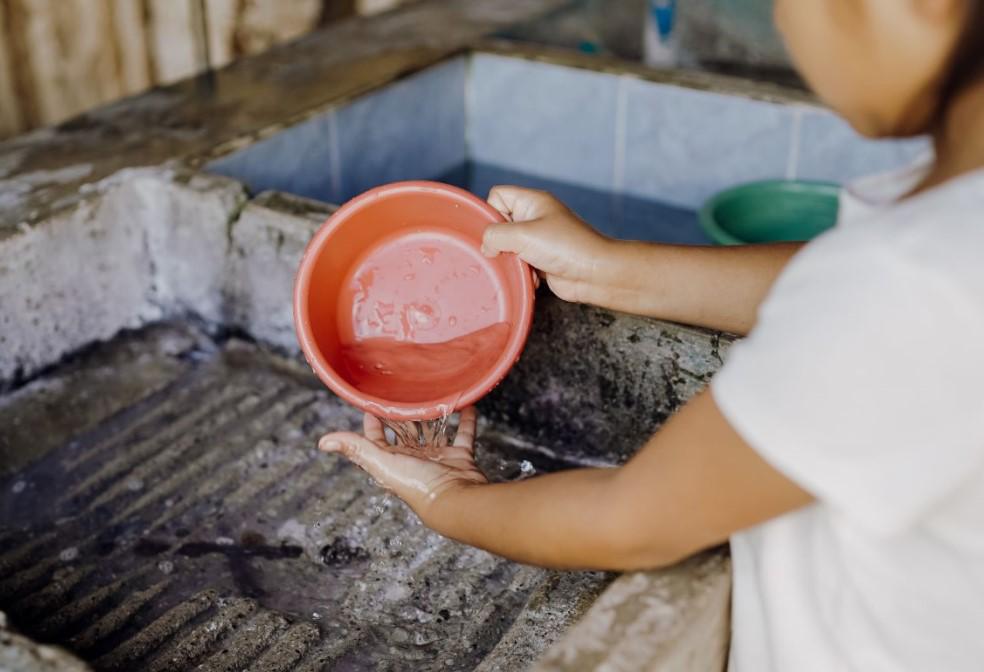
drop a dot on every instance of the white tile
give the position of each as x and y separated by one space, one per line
542 119
297 160
410 130
683 146
830 150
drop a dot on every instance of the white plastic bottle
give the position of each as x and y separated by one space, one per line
659 38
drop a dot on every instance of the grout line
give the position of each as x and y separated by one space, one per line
621 114
468 91
334 158
794 145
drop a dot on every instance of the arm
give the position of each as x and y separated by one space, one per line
715 287
693 485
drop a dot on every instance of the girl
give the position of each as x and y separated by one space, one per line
841 448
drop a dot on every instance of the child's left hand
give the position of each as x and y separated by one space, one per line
416 479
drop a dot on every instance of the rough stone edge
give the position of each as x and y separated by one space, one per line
141 246
265 249
155 243
25 655
551 611
671 619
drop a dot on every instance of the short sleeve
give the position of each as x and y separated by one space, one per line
863 381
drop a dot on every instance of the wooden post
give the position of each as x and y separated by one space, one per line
172 40
130 36
61 57
11 115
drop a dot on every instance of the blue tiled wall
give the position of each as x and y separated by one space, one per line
682 146
297 160
655 141
604 132
412 129
830 150
543 119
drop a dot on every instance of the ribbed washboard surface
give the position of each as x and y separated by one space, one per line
176 515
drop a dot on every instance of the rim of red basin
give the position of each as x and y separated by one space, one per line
520 322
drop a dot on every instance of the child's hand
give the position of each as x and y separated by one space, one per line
547 235
414 478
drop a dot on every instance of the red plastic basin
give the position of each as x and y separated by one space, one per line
397 310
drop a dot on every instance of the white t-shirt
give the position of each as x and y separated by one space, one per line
863 382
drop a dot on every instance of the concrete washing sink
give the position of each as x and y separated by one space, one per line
174 511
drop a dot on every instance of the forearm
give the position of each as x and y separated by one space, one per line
715 287
567 520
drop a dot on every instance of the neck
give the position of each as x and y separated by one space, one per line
959 138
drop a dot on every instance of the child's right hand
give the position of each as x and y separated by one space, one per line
568 253
715 287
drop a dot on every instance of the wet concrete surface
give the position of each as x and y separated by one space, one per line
179 516
593 385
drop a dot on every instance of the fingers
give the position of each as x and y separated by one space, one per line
502 199
520 204
373 428
357 448
411 478
503 238
465 437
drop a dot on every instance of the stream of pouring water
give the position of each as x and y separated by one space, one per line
426 437
402 371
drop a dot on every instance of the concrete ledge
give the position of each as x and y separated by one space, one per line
268 241
25 655
140 246
673 620
76 278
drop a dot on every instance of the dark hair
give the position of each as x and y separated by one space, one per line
967 63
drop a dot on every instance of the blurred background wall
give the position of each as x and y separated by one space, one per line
61 57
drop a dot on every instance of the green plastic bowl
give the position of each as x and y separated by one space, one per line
770 212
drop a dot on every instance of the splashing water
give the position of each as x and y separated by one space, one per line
425 437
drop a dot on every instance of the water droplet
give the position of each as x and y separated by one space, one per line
428 254
69 554
18 487
165 566
453 321
422 316
409 276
